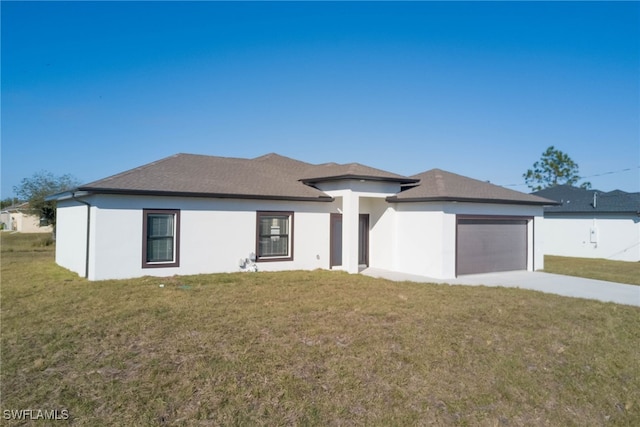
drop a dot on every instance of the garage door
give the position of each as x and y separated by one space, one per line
487 245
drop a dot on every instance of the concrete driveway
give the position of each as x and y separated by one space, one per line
569 286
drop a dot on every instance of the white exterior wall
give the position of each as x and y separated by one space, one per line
616 236
426 235
416 238
215 234
420 239
71 236
382 232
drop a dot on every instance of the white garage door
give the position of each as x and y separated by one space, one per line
489 244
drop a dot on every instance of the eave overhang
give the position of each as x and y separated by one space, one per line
66 195
396 199
593 212
85 191
311 181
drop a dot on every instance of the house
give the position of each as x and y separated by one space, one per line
592 223
21 218
191 214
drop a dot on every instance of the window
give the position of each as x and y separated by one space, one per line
161 238
274 236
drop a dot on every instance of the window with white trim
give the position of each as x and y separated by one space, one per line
161 238
274 240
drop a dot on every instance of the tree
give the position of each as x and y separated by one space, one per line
553 168
40 185
8 201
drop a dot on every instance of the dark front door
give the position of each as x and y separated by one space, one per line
363 240
336 240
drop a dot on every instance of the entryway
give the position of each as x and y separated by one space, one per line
336 240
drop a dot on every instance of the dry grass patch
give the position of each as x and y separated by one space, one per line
310 348
594 268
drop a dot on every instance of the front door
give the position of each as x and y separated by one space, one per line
336 240
363 240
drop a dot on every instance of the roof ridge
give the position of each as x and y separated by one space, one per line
267 156
273 155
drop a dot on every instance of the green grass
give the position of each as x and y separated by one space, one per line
308 348
26 242
594 268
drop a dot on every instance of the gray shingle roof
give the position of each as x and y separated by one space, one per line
269 176
277 177
439 185
574 199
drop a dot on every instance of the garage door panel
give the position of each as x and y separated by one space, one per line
488 245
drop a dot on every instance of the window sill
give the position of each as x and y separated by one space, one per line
274 259
160 264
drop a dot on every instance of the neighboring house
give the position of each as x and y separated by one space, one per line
23 219
191 214
592 223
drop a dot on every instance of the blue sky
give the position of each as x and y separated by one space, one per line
480 89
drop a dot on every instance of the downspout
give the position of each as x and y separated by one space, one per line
86 261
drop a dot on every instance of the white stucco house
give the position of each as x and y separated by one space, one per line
592 223
191 214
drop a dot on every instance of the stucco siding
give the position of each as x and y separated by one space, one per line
613 236
366 188
539 242
71 236
381 231
31 224
214 235
382 241
420 239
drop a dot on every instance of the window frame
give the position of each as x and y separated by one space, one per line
290 216
176 238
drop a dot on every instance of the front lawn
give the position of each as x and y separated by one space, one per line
307 348
594 268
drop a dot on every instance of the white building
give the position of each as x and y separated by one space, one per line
191 214
592 223
23 219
